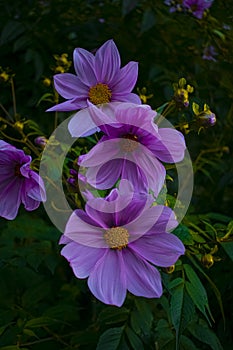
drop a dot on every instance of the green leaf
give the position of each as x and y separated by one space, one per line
134 340
11 31
204 334
183 233
128 5
110 339
228 247
148 20
197 291
164 333
39 322
141 319
182 308
186 343
113 315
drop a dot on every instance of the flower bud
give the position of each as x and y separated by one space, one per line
170 269
207 260
40 141
19 126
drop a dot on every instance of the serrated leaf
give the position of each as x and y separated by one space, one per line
110 339
141 318
204 334
148 20
134 340
197 292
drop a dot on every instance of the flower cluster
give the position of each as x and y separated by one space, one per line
195 7
118 240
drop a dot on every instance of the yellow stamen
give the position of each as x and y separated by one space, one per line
117 237
129 143
100 93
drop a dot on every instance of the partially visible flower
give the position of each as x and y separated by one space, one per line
41 141
143 95
99 79
175 5
205 118
18 183
209 52
131 148
197 7
181 93
118 248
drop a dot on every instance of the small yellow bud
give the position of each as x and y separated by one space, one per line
47 82
207 260
18 126
169 269
4 77
59 69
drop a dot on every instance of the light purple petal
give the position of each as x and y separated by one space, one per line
81 124
69 86
172 146
160 249
129 97
154 171
100 153
10 197
82 259
83 233
126 78
142 278
107 280
103 176
107 62
36 188
144 222
84 64
135 176
71 105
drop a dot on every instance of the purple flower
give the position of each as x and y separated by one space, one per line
209 52
197 7
175 5
131 148
117 249
99 79
18 183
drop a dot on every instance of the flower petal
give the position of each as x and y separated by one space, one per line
107 62
100 153
103 176
126 78
84 233
127 97
160 249
171 147
84 64
82 259
10 197
69 86
142 278
81 124
107 280
70 105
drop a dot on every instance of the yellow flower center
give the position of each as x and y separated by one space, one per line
100 93
129 143
117 237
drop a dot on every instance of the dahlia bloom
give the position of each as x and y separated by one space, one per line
99 79
197 7
131 148
18 183
117 249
